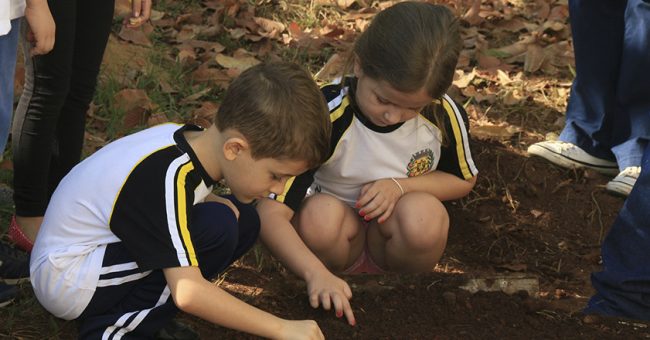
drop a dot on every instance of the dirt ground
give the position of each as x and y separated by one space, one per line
525 219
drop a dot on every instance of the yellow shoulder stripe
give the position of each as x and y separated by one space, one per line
458 136
181 209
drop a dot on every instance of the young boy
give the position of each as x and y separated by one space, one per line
133 232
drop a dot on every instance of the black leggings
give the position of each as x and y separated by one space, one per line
49 123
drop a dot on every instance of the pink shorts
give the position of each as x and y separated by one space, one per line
364 263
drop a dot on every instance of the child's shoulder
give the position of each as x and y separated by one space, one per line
336 88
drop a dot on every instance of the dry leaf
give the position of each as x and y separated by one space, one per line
241 63
135 35
213 76
196 96
344 4
462 79
332 68
237 33
128 99
487 61
269 28
157 119
472 15
534 58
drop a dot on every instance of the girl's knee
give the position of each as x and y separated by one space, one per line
422 221
319 221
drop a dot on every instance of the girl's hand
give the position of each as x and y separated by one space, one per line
378 199
302 329
140 13
327 289
41 27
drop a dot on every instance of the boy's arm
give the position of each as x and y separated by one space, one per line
378 199
197 296
283 241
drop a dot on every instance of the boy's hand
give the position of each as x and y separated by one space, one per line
303 329
140 13
326 289
41 27
378 199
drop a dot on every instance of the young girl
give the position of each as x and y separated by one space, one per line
400 147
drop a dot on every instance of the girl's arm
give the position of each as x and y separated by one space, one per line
278 234
378 199
440 184
197 296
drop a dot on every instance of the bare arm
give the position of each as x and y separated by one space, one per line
41 26
440 184
197 296
378 199
283 241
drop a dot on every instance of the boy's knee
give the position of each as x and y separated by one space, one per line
213 224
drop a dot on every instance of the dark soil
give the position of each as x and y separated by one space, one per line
524 217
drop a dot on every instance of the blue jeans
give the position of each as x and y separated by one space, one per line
623 286
8 50
608 114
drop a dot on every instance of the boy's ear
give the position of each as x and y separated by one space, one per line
233 147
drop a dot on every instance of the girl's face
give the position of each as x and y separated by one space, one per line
382 104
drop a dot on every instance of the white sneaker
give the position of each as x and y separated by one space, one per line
622 184
571 156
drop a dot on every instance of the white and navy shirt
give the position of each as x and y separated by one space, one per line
138 190
363 152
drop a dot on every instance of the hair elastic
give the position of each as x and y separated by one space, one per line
398 185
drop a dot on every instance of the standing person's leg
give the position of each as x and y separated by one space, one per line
592 107
8 54
47 80
93 26
623 286
631 129
145 305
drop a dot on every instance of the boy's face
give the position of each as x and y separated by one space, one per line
383 105
251 179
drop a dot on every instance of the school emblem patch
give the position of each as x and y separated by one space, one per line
421 162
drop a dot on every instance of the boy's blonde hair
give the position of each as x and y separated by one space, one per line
280 111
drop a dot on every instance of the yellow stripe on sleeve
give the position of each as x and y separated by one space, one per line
455 121
336 114
181 209
283 195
